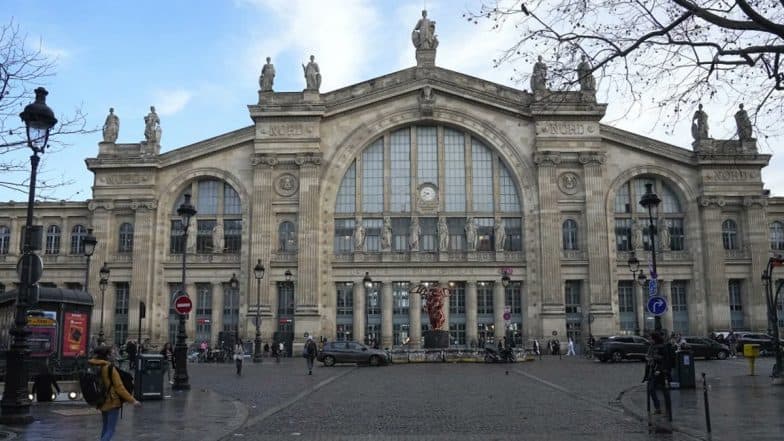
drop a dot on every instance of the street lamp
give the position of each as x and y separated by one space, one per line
234 285
104 281
89 242
258 272
287 274
773 315
649 201
186 211
505 277
15 405
367 283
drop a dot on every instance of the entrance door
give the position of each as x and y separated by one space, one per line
285 334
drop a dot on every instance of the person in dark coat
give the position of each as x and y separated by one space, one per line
130 349
43 385
658 366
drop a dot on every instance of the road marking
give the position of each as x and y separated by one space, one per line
273 410
562 389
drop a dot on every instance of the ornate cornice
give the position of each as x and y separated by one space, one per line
592 158
545 159
309 159
706 201
266 159
748 201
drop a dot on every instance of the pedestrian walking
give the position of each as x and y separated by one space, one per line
281 349
168 360
570 348
555 348
130 349
309 352
659 361
43 385
116 394
537 349
239 355
275 351
266 350
732 344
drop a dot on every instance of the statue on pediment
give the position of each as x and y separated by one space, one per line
443 234
413 234
359 235
500 234
637 236
663 230
218 238
111 127
744 124
267 76
470 232
386 234
699 124
585 75
539 76
152 127
312 75
424 34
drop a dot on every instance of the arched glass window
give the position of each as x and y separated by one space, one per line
777 236
5 239
287 237
52 240
628 210
569 229
440 170
217 226
78 233
729 234
126 238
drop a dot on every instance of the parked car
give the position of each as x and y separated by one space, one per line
351 352
764 340
707 348
620 347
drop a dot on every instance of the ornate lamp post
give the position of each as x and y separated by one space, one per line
258 272
15 405
104 281
234 285
89 248
651 202
772 299
367 283
186 211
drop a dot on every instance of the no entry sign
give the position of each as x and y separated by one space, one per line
183 304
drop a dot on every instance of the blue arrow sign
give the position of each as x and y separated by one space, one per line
657 305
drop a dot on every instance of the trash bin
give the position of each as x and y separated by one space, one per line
683 376
148 382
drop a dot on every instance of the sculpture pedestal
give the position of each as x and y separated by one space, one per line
426 57
436 339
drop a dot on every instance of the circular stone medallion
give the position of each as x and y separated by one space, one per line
286 184
569 182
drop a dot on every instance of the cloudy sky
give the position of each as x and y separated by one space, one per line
198 62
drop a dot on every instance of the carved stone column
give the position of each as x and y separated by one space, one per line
142 271
596 229
415 319
360 318
716 296
759 246
307 276
499 302
262 226
386 314
471 311
552 300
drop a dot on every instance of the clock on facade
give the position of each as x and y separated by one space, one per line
427 193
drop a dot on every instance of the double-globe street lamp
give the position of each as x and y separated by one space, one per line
649 201
186 211
258 272
772 300
234 285
103 282
15 405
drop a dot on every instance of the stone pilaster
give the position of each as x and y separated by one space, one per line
552 314
262 225
759 247
360 318
499 302
415 319
471 311
596 229
142 269
307 276
666 292
386 314
217 311
717 314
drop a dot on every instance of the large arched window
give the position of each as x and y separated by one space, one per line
428 181
569 229
631 218
287 237
5 239
78 233
52 240
729 234
217 226
777 236
126 238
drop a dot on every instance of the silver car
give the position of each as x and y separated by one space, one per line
351 352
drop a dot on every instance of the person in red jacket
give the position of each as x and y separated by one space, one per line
116 392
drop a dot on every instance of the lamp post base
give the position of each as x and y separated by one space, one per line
257 348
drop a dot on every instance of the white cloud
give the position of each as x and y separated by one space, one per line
169 102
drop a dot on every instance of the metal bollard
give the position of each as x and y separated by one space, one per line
707 405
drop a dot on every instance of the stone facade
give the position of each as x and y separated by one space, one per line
289 166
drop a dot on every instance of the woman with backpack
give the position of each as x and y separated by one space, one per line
115 392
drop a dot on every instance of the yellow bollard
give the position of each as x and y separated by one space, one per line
751 352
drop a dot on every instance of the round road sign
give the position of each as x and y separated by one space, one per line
30 268
657 305
183 305
507 315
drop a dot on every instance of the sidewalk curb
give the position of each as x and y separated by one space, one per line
239 420
624 397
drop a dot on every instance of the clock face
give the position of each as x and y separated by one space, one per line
427 193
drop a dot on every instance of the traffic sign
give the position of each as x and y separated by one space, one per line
507 316
653 287
183 304
30 268
657 305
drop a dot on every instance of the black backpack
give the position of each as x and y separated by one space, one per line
125 376
94 391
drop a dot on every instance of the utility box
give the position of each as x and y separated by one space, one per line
751 350
683 373
149 377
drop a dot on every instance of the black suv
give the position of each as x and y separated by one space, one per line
705 347
620 347
764 340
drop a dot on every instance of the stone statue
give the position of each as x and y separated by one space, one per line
539 76
152 127
424 34
664 235
190 245
637 236
111 127
359 235
744 124
443 234
699 124
413 234
312 75
584 74
500 234
386 235
470 232
267 76
217 238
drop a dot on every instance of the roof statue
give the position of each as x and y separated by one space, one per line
111 127
312 75
424 34
267 76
